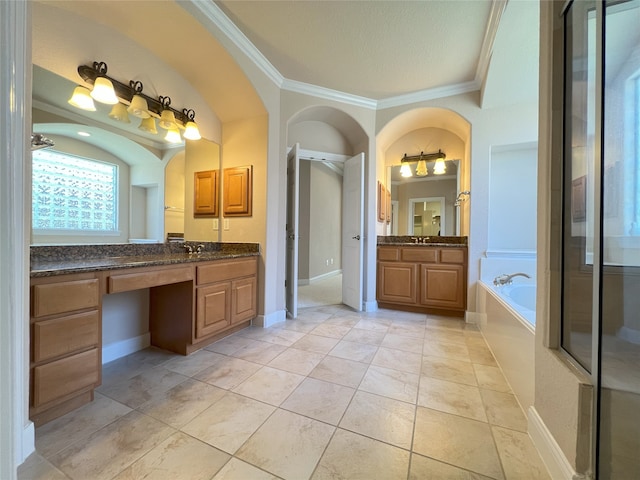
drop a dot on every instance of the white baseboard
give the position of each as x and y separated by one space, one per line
266 321
554 459
116 350
371 306
303 281
324 275
28 441
474 317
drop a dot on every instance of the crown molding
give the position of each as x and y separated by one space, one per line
497 9
328 94
215 14
430 94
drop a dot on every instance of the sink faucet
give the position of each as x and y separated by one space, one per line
505 279
199 248
188 248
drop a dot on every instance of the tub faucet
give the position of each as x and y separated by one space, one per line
505 279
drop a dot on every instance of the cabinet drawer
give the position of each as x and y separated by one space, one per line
58 379
389 254
452 255
226 270
418 254
60 336
135 281
60 297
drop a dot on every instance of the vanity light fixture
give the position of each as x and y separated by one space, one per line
108 90
173 135
422 159
119 113
81 99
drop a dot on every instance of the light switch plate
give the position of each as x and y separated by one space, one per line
215 224
226 224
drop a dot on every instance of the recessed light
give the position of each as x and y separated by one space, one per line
84 134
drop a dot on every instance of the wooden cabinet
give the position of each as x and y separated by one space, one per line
226 295
66 344
422 279
205 190
238 191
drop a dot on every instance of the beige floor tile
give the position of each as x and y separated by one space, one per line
108 451
375 324
270 385
128 367
382 418
344 321
450 397
402 342
238 470
287 445
314 314
144 387
360 352
504 410
179 456
316 343
341 371
229 422
297 361
482 355
407 330
458 441
324 401
297 325
391 383
452 351
333 331
37 467
519 457
445 335
228 373
182 403
259 352
445 323
58 434
192 364
423 468
282 336
446 369
353 457
491 378
229 345
371 337
398 360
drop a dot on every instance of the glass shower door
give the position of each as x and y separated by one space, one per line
619 419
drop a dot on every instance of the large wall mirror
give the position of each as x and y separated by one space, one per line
152 190
425 205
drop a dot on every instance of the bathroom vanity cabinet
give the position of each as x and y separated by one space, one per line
190 305
422 278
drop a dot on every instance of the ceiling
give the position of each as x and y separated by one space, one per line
389 50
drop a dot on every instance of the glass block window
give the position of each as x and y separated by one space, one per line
73 193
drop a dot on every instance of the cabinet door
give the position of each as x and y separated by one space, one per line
243 294
213 308
206 193
442 286
398 282
237 191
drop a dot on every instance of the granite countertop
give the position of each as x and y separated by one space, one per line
57 260
422 241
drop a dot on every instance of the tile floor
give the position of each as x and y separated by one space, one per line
332 395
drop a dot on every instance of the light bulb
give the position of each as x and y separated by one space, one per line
439 168
405 170
167 120
103 91
81 99
139 107
421 169
119 113
173 136
191 131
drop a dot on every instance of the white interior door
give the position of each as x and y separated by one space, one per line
352 231
293 200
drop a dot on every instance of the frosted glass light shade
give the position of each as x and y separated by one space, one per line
119 113
81 99
405 170
173 136
191 131
103 91
439 168
139 107
148 125
167 120
421 169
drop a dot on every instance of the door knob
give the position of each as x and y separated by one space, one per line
357 237
291 236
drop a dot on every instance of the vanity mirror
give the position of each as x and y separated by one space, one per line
424 205
149 191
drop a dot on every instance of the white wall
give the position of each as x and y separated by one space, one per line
513 198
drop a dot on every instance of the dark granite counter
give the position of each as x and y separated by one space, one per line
56 260
420 241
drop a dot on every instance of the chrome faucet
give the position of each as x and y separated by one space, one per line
505 279
188 248
191 249
199 248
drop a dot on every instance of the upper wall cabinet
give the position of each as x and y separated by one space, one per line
206 194
237 191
